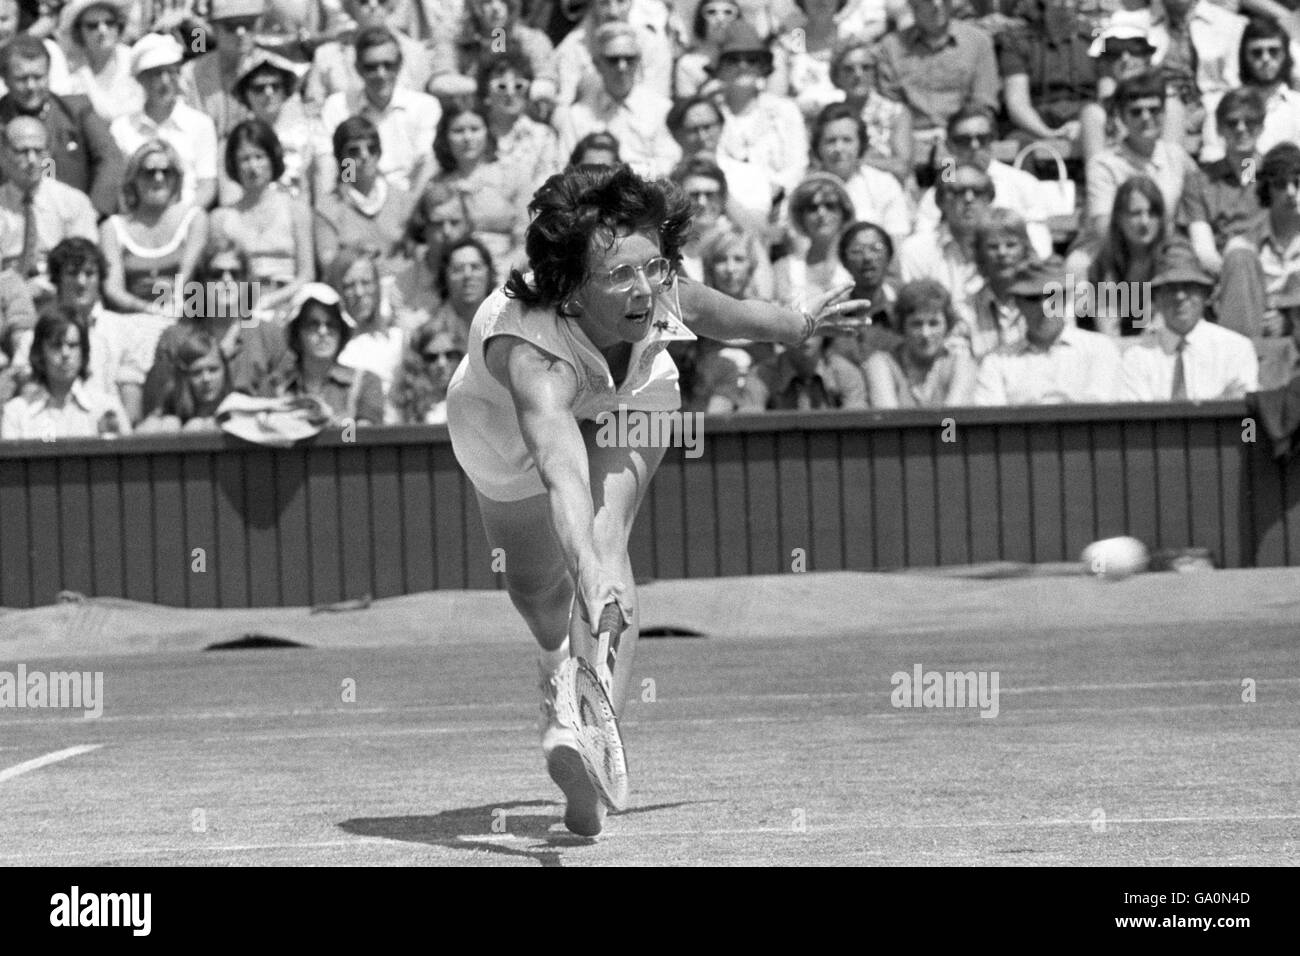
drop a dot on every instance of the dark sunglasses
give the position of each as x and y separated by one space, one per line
1276 52
166 172
622 60
1135 112
972 140
451 355
266 86
744 59
234 23
375 66
1117 48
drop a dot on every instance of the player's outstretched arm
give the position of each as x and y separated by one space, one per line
718 316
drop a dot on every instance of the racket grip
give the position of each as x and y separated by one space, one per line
608 632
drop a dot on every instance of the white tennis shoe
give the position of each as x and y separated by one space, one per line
584 812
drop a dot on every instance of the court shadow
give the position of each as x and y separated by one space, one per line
496 828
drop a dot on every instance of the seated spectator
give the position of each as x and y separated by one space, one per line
577 56
426 372
1260 264
758 127
889 123
267 223
839 139
1219 199
522 142
317 334
623 105
970 141
921 372
867 252
156 63
802 49
440 219
101 63
199 384
692 72
1267 66
1202 44
729 262
805 377
706 187
57 403
253 349
156 240
1123 52
268 86
120 345
496 194
465 277
377 340
487 29
934 68
947 254
406 119
820 208
334 62
1140 101
1186 357
80 148
12 15
362 210
208 80
696 124
1056 362
1002 252
36 211
595 149
1048 73
1124 262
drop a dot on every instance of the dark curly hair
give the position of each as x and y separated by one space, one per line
1280 163
590 204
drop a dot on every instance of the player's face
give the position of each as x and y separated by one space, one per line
1181 304
924 332
610 315
1139 223
840 148
206 377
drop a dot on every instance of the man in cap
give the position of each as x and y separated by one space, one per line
79 145
1056 362
156 63
1184 357
208 81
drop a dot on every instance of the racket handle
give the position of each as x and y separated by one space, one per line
608 632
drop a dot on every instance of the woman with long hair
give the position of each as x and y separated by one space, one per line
581 336
377 340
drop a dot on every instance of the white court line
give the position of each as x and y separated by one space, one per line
45 761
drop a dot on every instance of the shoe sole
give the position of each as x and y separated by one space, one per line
582 811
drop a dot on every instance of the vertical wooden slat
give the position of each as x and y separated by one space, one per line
417 518
701 514
724 454
260 528
670 529
325 555
979 445
106 525
200 497
449 520
920 497
1268 505
1172 480
386 520
859 535
356 534
1109 480
1142 492
1203 489
74 523
1048 508
952 516
15 537
1015 494
764 498
888 505
1077 489
170 565
232 566
478 556
138 544
1291 485
827 494
291 505
795 521
1234 466
43 515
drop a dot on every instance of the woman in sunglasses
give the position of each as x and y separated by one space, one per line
156 241
504 83
582 336
487 29
435 352
101 63
269 86
819 210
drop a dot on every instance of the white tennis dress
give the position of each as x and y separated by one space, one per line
481 416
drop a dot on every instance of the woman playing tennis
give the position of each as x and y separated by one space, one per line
583 334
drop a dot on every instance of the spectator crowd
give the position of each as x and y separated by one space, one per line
1044 201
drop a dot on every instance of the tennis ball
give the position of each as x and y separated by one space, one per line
1115 558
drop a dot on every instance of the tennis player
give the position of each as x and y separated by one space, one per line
583 333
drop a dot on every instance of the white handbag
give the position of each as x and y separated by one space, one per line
1057 196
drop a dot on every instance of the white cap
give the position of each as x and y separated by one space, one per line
154 50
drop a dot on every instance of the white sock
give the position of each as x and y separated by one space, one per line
550 661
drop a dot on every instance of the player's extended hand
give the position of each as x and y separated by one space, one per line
596 588
836 312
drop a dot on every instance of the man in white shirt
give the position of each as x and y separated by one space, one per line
406 120
947 253
334 63
1056 362
156 64
624 107
1183 357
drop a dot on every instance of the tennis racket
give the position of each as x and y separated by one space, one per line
583 703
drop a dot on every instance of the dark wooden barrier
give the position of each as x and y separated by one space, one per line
392 513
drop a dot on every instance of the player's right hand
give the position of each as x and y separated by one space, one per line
597 589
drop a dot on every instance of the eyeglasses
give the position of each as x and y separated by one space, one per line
375 66
156 172
658 272
451 355
972 140
827 204
266 86
319 326
969 192
508 86
92 26
743 59
1274 51
1134 48
235 24
1137 112
1246 122
617 61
